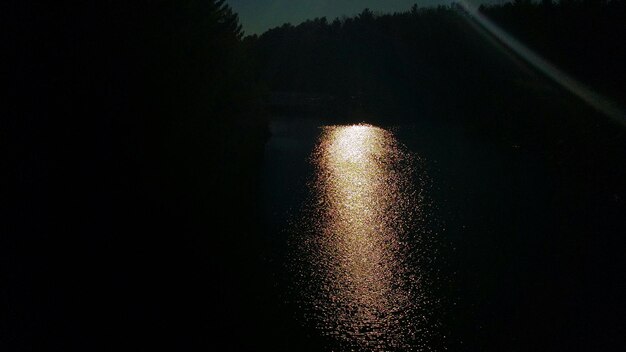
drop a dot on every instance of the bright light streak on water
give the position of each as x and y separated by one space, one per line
595 100
359 278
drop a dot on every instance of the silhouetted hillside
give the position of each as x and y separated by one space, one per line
438 56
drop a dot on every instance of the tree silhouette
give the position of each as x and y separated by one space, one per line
132 140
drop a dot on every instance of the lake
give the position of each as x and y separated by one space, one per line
421 236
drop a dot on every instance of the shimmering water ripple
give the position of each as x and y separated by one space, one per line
360 241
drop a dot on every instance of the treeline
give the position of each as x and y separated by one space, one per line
436 55
385 57
130 181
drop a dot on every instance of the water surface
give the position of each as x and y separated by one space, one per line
359 243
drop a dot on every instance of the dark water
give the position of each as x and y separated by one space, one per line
354 204
423 236
360 240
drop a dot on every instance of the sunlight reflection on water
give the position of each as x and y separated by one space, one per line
360 242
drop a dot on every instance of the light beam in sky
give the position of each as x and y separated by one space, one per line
593 99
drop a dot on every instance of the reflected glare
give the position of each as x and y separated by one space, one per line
596 100
358 278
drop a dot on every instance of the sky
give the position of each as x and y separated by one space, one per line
257 16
